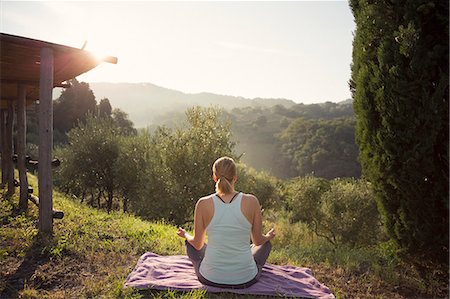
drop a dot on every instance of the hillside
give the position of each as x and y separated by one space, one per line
90 255
256 130
145 101
256 124
92 252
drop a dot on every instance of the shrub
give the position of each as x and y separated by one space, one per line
343 211
261 184
88 161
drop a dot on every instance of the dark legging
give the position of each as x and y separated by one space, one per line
260 254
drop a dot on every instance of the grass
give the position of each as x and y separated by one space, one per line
92 252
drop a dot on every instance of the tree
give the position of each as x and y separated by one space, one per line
261 184
123 123
71 107
261 121
178 163
133 169
343 211
325 148
400 90
187 154
104 108
89 160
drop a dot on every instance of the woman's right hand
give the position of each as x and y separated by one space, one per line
181 232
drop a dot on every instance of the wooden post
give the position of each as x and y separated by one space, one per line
9 148
21 141
3 145
45 142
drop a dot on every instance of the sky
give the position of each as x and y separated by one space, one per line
298 50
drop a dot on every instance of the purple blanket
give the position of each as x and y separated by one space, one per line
177 273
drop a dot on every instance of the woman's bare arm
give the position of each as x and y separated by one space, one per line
198 239
257 237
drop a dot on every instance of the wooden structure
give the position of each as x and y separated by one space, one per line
29 70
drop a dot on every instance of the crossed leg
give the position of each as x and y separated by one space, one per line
260 254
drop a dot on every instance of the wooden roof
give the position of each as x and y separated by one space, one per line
20 64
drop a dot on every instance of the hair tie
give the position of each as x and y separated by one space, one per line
222 176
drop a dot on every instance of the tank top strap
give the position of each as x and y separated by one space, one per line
218 199
215 199
218 211
237 200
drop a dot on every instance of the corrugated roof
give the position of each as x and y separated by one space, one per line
20 64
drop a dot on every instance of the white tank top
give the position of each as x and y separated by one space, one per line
228 257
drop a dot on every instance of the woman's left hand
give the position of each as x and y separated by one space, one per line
181 232
271 234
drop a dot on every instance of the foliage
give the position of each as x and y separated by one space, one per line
158 176
123 123
183 159
72 106
256 131
132 167
99 159
324 148
400 89
104 108
264 186
341 211
89 161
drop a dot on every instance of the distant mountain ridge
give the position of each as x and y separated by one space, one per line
145 102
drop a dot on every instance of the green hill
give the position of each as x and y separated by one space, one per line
92 252
144 102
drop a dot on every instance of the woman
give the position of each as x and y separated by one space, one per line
229 218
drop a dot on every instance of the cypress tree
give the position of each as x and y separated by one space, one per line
400 88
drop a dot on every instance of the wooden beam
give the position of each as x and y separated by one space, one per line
110 59
4 101
9 148
55 213
21 141
31 83
3 145
45 142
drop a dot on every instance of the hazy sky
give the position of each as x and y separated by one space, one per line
297 50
